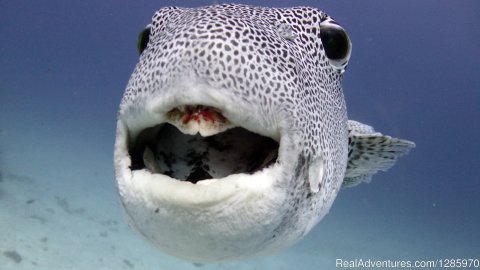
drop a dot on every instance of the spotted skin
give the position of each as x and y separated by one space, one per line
271 66
239 49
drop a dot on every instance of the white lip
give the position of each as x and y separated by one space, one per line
158 188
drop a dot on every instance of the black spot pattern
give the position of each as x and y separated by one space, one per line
270 58
239 48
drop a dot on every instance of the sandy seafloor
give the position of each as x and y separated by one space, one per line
62 73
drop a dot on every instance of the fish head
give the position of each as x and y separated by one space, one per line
232 133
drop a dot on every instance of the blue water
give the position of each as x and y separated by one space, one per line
63 68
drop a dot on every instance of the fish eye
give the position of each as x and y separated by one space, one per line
143 38
336 43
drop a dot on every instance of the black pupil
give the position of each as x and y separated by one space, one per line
335 42
143 40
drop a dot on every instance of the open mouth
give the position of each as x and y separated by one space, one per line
200 145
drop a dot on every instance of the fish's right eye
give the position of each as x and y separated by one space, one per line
143 38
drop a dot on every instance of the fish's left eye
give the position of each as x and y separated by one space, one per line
336 43
143 39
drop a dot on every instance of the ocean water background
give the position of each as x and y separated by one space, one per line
63 68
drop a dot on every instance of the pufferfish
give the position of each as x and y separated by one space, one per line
232 136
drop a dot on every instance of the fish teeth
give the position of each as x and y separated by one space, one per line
193 119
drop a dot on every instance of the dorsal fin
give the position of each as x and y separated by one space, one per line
370 152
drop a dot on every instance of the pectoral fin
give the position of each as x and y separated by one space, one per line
370 152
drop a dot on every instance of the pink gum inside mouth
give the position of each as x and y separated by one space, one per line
201 113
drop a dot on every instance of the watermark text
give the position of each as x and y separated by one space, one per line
438 263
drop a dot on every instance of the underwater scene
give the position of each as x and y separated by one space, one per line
217 138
